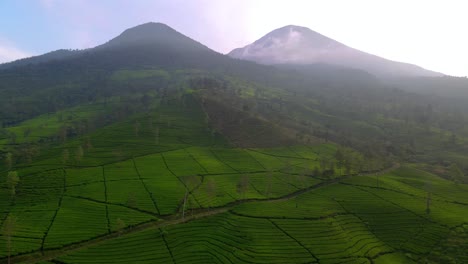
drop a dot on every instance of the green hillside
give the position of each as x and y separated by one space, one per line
163 151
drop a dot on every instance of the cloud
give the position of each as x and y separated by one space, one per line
9 52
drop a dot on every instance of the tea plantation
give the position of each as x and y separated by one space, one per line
162 187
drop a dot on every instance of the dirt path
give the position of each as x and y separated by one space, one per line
175 219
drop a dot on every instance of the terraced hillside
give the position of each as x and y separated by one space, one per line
163 151
161 187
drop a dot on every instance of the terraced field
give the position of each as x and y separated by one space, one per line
184 195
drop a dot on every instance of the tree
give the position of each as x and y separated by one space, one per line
456 174
88 145
8 231
9 161
118 154
120 225
131 200
302 178
211 189
136 127
316 171
79 154
347 165
156 135
268 183
12 138
63 133
12 180
185 202
243 185
340 159
26 132
189 183
65 156
428 203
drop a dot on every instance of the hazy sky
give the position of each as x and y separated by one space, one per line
428 33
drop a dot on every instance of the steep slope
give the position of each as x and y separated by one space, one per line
300 45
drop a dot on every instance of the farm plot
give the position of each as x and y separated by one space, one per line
165 189
32 223
296 160
95 191
76 220
131 193
83 176
208 161
279 152
385 181
238 159
231 239
86 182
29 229
121 171
269 162
446 213
426 182
40 191
120 217
182 163
391 223
339 237
19 245
271 184
125 249
218 190
306 152
124 186
306 206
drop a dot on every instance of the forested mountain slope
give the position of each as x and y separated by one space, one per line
153 148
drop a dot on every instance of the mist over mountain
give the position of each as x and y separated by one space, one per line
153 139
300 45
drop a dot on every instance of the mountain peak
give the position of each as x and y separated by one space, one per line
156 34
300 45
149 28
282 45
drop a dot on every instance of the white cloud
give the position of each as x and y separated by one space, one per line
9 52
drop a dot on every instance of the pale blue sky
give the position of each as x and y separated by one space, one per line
430 33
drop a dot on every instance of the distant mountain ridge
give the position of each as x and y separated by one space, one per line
287 45
156 39
50 56
153 34
299 45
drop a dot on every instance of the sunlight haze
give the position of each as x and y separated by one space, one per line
425 33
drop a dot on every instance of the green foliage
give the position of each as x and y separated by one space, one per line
129 75
115 147
12 180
